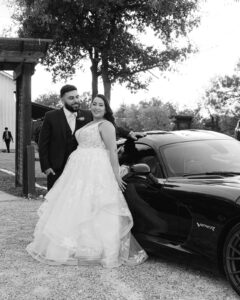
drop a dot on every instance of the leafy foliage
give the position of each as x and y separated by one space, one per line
50 100
223 95
105 31
53 100
152 115
222 101
155 115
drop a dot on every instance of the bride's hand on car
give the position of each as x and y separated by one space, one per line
121 183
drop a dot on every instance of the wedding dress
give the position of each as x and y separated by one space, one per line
85 218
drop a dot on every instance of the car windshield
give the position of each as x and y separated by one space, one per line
202 157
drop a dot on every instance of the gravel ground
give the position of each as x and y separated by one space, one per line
170 276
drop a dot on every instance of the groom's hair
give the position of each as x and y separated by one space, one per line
67 88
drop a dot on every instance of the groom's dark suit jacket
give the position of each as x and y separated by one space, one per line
56 141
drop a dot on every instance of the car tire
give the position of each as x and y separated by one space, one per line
231 257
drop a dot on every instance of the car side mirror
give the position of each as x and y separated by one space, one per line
140 169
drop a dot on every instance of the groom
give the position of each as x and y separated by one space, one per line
57 140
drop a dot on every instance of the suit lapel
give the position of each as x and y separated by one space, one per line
79 120
82 119
64 123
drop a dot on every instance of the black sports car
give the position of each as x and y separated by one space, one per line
184 191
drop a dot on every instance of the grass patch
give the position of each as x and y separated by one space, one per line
7 184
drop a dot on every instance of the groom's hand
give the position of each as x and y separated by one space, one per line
136 135
49 171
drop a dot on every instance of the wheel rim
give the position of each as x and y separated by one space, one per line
233 259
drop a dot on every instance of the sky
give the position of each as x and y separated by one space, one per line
218 42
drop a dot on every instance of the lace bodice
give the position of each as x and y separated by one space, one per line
89 136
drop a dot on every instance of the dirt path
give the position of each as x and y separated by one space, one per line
171 276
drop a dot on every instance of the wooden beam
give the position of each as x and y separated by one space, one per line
17 56
18 71
24 45
8 66
33 40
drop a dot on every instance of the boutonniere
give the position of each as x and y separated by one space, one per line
81 118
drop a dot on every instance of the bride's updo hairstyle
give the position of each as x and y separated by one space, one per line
109 113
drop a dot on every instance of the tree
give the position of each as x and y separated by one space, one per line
53 100
50 100
223 95
105 31
132 118
147 115
85 100
222 101
120 116
155 115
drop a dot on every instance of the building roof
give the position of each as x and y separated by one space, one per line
6 74
39 110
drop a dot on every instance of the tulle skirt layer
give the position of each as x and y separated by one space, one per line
85 218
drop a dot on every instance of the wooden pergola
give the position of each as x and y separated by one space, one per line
21 55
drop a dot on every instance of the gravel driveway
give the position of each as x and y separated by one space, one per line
172 275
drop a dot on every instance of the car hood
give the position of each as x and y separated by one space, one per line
227 187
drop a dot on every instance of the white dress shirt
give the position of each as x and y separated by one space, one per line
71 118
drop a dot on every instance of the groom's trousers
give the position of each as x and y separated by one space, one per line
52 178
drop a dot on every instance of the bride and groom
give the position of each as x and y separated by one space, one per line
84 218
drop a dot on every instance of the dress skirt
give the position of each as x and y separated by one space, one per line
85 218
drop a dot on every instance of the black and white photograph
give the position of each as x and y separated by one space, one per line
119 150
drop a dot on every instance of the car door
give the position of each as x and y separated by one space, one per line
154 211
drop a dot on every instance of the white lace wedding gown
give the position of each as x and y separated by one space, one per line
85 218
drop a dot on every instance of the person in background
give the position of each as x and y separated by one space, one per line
7 137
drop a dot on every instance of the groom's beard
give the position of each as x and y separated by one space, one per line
72 108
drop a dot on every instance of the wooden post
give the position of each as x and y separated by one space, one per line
23 133
21 55
31 169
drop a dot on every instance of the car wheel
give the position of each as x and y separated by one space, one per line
231 257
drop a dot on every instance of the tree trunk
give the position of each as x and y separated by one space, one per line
107 89
94 70
94 79
105 77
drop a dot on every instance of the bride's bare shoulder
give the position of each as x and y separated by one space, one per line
106 126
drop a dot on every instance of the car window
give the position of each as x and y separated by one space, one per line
132 153
202 157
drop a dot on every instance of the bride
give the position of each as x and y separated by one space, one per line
85 218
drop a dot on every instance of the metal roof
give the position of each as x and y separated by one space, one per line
39 110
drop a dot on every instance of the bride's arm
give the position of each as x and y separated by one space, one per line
108 134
